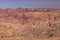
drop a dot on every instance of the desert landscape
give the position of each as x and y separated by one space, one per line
30 24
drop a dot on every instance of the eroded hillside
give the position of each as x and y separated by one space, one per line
29 22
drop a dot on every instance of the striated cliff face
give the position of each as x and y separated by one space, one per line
30 22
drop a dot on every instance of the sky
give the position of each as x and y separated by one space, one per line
30 3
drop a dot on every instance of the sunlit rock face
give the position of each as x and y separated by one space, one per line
30 22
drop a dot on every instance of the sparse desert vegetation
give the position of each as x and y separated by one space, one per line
30 24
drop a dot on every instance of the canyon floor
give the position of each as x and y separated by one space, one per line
30 24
